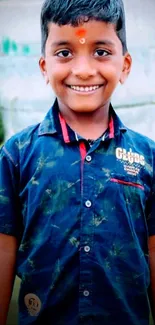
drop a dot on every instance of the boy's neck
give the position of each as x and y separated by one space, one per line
90 125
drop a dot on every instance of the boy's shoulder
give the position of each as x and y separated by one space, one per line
20 141
132 137
24 141
24 136
142 140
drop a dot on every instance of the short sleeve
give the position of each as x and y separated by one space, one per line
150 211
10 220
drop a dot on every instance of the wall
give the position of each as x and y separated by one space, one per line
23 94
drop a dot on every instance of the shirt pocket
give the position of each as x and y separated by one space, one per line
130 182
131 190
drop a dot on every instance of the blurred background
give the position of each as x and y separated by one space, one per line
24 97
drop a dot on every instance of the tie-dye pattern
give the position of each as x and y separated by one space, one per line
86 263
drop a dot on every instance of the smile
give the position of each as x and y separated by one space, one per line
86 89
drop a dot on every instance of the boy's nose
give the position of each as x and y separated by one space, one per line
83 70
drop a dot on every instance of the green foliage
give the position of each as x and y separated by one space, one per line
2 130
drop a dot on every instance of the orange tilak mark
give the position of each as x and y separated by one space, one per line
81 33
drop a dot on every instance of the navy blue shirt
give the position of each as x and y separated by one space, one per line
82 215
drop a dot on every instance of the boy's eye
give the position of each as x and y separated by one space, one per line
64 54
101 53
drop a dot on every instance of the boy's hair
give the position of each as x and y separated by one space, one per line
75 12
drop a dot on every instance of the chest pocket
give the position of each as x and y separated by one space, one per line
132 191
131 187
131 182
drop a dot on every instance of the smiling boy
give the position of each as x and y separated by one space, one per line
77 213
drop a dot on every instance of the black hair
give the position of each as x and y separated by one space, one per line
76 12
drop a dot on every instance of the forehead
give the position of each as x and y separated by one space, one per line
92 30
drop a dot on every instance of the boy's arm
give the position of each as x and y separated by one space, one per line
10 222
151 245
8 249
150 213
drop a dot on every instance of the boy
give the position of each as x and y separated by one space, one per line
77 190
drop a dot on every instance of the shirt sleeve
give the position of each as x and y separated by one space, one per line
151 206
10 220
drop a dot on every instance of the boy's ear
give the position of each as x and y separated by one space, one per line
126 67
42 65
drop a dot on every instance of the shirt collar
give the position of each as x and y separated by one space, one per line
115 124
55 123
48 125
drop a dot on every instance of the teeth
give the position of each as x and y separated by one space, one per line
84 89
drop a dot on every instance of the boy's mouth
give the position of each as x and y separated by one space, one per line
85 89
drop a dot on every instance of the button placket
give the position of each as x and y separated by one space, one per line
86 276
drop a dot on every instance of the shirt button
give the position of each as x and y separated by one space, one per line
88 158
88 204
87 249
86 293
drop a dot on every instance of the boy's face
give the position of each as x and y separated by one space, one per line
84 64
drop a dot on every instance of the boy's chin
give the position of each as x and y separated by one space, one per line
83 109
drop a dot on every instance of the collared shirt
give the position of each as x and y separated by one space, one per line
82 216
